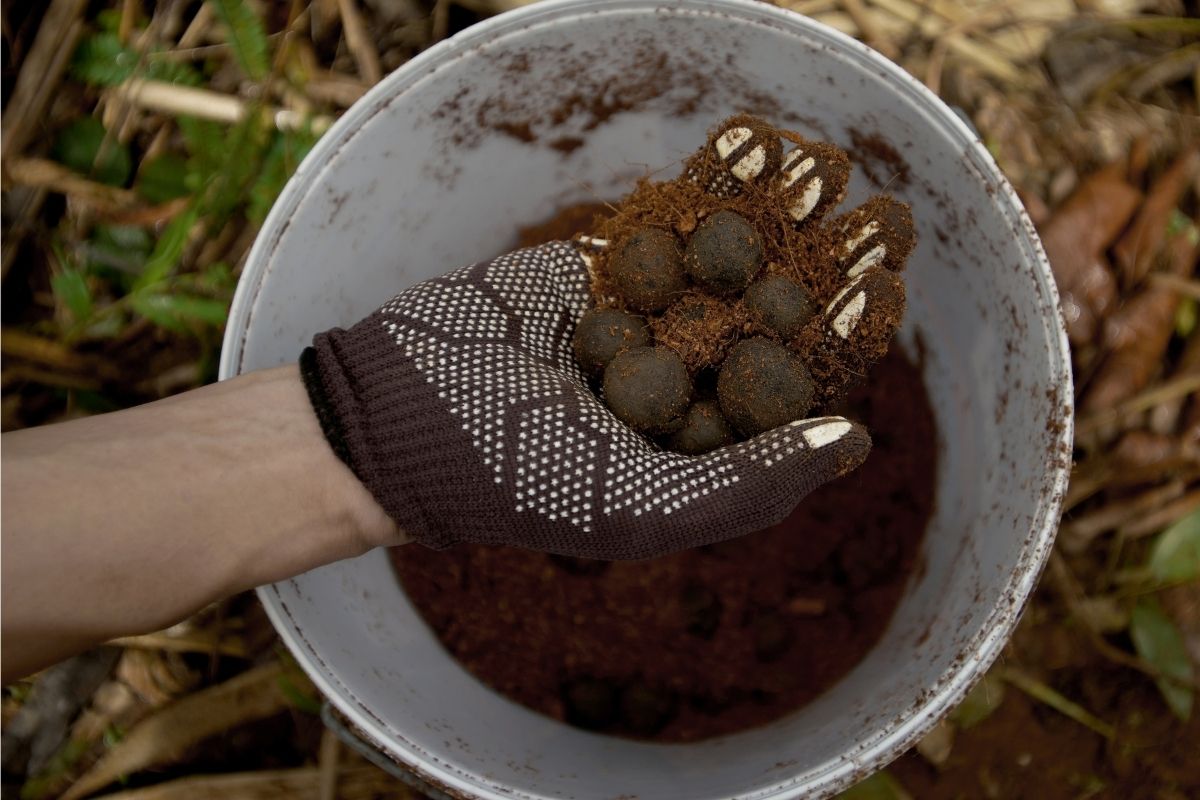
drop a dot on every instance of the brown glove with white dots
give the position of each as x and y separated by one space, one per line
462 407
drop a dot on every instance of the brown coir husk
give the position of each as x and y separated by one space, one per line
728 637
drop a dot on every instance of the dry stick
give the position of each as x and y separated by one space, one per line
1044 694
1078 533
40 73
983 56
197 29
43 174
327 763
441 20
1176 387
1072 594
871 31
359 43
1163 518
186 643
171 99
1184 286
19 344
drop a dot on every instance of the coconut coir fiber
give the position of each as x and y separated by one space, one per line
703 642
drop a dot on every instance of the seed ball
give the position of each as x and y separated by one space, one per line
604 332
590 703
645 710
878 233
704 429
741 149
724 254
647 269
763 385
648 389
779 305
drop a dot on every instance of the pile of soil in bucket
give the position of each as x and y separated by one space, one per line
709 641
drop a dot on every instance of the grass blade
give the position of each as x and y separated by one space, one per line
246 36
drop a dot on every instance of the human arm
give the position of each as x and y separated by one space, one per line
131 521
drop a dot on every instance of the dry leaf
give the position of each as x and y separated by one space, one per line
1075 239
166 735
355 783
1134 253
1139 334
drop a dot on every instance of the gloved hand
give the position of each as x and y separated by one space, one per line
460 406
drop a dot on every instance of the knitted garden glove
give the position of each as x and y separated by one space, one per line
460 406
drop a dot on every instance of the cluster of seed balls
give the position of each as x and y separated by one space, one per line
688 308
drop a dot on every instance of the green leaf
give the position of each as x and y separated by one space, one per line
85 147
101 60
205 142
286 152
979 703
1160 645
1175 555
298 699
1185 318
168 250
71 288
246 35
880 786
165 178
177 311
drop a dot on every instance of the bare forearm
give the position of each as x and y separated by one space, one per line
130 521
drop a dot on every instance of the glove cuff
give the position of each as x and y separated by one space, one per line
367 419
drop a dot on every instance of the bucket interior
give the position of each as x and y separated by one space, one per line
567 102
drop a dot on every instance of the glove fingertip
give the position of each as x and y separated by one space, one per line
836 442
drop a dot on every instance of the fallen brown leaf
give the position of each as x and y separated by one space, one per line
1075 238
355 783
1139 334
166 735
1134 253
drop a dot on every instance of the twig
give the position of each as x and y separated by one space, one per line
1077 534
169 98
327 763
359 43
871 32
1044 694
43 67
441 20
188 643
19 344
1176 387
197 29
1069 589
1185 286
983 56
43 174
1163 518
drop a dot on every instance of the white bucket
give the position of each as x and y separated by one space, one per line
402 189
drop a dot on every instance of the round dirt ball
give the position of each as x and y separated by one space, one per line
779 305
590 703
647 270
704 428
763 385
648 388
724 254
604 332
